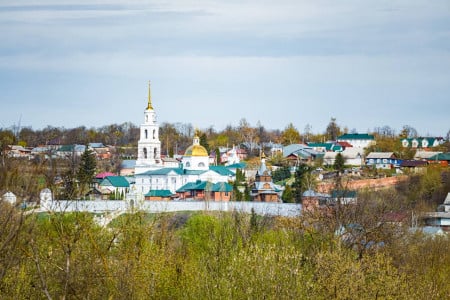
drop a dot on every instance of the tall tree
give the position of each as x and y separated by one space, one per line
290 135
408 132
299 182
248 134
204 141
333 130
86 170
339 163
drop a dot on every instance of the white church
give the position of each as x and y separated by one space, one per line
156 174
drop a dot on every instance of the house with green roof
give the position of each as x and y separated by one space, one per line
205 191
422 142
442 158
159 195
114 187
359 140
326 147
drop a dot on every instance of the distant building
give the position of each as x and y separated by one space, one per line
263 189
360 140
422 142
155 175
382 160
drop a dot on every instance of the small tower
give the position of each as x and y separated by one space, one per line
149 145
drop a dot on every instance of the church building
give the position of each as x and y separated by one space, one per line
153 174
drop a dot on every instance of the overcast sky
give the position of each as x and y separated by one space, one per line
367 63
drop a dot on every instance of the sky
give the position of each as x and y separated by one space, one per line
371 63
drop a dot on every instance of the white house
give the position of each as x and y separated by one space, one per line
359 140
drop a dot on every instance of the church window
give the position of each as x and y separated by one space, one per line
145 153
188 164
146 134
146 118
201 165
154 134
154 153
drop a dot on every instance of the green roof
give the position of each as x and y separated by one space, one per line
116 181
222 187
241 166
159 193
164 171
343 194
440 157
327 146
206 185
187 187
224 171
356 136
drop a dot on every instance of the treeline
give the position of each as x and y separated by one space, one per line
355 253
178 136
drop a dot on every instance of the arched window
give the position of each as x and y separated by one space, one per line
154 153
188 164
146 118
201 165
146 134
145 153
154 134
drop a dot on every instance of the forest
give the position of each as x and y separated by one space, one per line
351 253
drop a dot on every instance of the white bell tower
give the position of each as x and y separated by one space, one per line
149 145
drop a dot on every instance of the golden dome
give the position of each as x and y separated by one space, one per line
196 150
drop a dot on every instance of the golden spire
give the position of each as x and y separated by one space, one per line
149 107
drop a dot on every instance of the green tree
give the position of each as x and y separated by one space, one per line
287 196
290 135
86 170
281 174
6 138
247 195
299 182
218 158
204 141
339 163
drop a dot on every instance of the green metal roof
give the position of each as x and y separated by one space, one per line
440 157
222 187
164 171
206 185
224 171
187 187
343 194
116 181
241 166
159 193
356 136
327 146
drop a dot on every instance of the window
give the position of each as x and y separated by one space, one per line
201 165
154 134
145 153
188 164
146 134
154 153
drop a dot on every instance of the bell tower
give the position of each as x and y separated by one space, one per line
149 145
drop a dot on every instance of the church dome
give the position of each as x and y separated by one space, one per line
196 150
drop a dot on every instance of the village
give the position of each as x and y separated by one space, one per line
225 174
